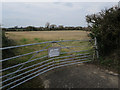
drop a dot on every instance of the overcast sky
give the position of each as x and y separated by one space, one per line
59 13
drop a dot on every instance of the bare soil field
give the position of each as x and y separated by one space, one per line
48 35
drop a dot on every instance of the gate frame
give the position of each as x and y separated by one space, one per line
36 52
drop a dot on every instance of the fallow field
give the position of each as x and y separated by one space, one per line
34 36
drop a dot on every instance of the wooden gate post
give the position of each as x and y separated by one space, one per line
96 48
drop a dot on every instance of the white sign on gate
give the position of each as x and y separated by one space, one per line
54 51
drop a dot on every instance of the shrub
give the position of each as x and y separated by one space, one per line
105 26
5 43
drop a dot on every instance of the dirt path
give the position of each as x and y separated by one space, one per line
80 76
75 76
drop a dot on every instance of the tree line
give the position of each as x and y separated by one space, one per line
47 27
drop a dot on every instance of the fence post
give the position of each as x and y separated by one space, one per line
96 48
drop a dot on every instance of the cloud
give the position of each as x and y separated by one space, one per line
93 9
37 14
97 7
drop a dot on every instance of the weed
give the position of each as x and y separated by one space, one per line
24 40
36 39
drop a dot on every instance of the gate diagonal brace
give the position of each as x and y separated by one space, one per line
64 46
30 59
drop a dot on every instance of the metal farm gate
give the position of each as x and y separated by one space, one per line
48 56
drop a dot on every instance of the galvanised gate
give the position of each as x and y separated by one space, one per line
58 54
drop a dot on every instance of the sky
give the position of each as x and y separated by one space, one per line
59 13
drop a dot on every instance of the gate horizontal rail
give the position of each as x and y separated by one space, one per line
39 67
31 53
43 64
28 62
46 71
40 43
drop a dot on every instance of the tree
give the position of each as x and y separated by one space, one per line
105 26
53 26
47 25
16 27
31 28
60 27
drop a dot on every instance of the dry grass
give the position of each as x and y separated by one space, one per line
48 35
28 37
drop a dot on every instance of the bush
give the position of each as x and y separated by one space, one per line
5 43
105 26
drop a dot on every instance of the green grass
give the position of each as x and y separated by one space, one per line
24 40
37 40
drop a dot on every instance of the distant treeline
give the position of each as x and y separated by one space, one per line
32 28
